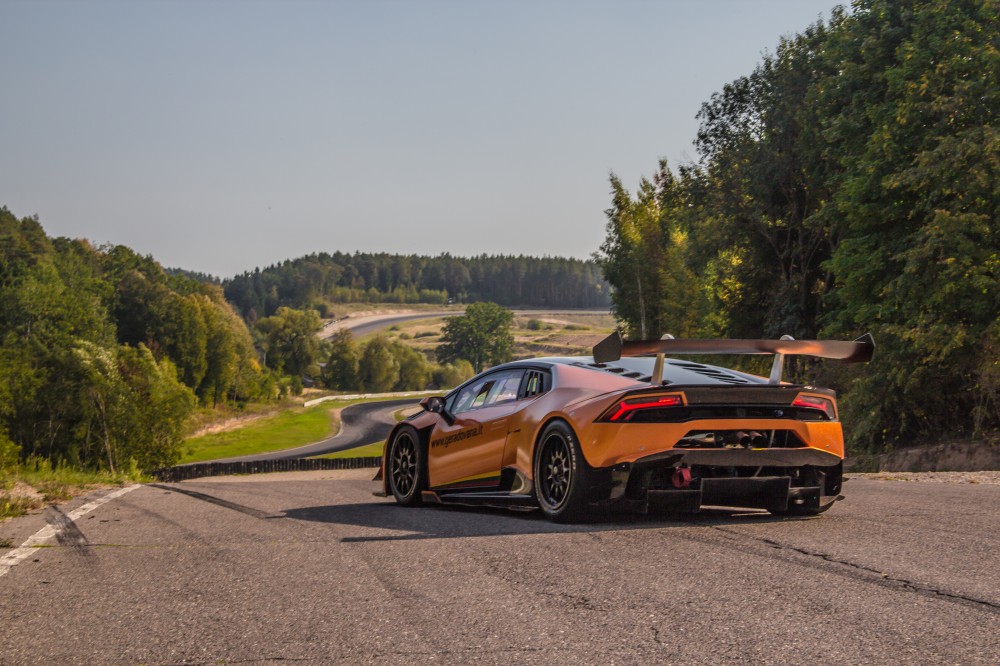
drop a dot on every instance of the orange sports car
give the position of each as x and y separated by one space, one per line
628 427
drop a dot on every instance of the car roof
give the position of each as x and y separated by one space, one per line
639 368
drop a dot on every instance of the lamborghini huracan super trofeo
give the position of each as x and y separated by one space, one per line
631 428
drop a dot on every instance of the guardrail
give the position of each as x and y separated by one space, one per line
362 396
197 470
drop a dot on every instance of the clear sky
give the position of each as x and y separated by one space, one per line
221 136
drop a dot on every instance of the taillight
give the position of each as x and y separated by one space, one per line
816 402
624 409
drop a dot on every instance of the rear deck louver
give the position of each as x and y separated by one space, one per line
714 373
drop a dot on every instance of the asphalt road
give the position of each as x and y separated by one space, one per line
367 325
311 568
361 424
373 326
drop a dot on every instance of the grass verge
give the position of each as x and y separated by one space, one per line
36 483
285 430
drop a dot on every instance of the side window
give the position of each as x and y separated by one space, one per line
505 390
464 400
494 389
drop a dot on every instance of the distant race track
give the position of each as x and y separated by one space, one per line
363 423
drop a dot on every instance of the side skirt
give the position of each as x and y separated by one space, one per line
500 500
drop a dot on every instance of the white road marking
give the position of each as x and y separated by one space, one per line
47 533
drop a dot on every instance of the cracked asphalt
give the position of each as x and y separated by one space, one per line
310 568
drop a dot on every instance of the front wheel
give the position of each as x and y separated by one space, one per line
561 475
406 467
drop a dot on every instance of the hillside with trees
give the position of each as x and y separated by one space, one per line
850 183
104 355
318 280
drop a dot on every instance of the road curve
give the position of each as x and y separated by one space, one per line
360 424
310 568
371 324
377 325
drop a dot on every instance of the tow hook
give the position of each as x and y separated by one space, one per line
681 477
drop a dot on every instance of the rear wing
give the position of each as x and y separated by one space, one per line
613 348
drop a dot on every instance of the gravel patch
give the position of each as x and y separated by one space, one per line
990 478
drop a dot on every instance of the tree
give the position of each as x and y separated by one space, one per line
379 369
414 371
71 392
450 375
645 258
915 115
290 340
768 178
341 370
232 371
133 407
482 336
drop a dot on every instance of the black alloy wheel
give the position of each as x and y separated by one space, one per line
405 467
562 475
555 470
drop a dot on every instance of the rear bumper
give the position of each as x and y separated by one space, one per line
778 480
774 494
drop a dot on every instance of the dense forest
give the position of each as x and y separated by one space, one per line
850 183
317 280
104 355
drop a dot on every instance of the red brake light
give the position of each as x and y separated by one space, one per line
816 402
626 407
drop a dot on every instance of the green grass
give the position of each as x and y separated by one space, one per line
54 484
286 430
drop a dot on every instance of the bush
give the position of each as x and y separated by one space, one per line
10 453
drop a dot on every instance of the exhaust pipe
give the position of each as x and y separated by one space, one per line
757 440
744 439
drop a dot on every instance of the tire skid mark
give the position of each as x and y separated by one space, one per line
218 501
50 531
191 535
735 539
67 532
883 577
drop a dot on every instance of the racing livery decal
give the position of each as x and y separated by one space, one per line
457 437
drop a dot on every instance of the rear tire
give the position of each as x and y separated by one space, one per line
406 467
562 475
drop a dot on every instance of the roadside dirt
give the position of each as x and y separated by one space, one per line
986 478
230 424
950 456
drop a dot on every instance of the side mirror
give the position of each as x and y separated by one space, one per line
434 403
